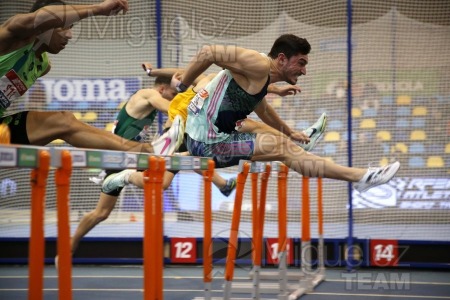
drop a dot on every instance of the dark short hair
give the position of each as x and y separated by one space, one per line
290 45
160 80
41 3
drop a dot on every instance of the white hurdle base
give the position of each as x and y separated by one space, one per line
273 287
269 274
315 281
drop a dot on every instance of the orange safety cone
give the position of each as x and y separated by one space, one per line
133 218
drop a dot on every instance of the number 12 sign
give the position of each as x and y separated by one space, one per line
183 250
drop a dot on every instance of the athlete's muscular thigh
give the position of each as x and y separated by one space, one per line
44 127
270 147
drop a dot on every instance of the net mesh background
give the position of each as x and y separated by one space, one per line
401 109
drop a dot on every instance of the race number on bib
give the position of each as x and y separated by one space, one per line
11 88
197 102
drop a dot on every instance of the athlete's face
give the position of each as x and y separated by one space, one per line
168 93
55 40
294 67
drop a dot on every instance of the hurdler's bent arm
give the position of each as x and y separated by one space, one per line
55 16
270 117
241 62
169 72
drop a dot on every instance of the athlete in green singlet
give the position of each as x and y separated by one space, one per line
25 40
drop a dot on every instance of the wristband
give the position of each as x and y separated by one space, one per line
181 87
148 70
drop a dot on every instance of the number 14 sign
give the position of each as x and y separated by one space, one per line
383 253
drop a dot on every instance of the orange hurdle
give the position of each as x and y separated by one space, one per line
62 181
207 232
233 241
153 229
282 228
36 247
307 280
258 214
306 230
310 280
320 220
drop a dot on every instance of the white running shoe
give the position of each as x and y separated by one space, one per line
377 176
171 140
116 180
315 132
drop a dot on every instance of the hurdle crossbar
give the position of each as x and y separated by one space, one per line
40 159
307 280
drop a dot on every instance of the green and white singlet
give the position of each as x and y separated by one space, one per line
131 128
19 70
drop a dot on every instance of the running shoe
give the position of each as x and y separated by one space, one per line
315 132
229 187
377 176
171 140
115 181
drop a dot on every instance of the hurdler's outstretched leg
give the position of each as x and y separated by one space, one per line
45 127
271 147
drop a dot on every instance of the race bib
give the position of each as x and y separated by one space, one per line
197 102
11 88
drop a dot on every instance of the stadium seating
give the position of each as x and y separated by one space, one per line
356 112
335 125
387 100
90 116
403 100
368 124
418 122
417 148
420 111
332 136
369 113
77 115
402 123
403 111
400 147
418 135
435 162
329 149
416 162
109 127
384 135
301 125
57 142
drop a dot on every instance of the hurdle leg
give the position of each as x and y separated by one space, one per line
306 233
37 242
309 279
207 229
254 212
255 229
62 181
159 236
321 257
149 247
233 241
282 232
259 232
